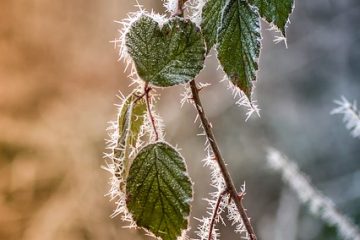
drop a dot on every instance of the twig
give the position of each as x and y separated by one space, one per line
218 157
216 212
152 120
211 137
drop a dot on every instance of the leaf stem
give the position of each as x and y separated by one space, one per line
152 119
215 213
218 157
146 91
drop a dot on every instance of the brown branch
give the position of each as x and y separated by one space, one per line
218 157
152 119
216 212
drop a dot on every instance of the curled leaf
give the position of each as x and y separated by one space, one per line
130 120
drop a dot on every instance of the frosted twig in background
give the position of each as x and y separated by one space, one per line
351 115
318 204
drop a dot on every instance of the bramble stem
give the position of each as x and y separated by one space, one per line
222 165
152 120
230 187
216 212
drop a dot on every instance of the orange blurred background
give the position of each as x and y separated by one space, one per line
59 77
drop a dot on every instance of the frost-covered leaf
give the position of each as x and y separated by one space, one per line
168 55
130 120
138 111
239 43
159 191
275 11
211 17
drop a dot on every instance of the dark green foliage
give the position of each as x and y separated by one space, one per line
211 17
168 56
275 11
239 43
159 191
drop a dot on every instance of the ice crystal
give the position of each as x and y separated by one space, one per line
279 37
242 100
196 7
171 5
351 116
319 204
218 183
115 165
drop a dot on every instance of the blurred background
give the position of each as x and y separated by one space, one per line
59 76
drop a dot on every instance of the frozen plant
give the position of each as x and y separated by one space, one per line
351 115
150 181
319 204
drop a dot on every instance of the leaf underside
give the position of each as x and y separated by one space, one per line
159 191
168 56
275 11
239 43
138 111
130 120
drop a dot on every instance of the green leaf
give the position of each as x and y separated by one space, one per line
130 120
275 11
211 19
159 191
138 111
239 43
167 56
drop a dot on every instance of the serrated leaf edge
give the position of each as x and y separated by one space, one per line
226 77
182 236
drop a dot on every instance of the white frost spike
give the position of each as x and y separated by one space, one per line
113 167
236 220
278 38
196 7
218 182
186 96
171 6
242 100
351 115
319 204
115 163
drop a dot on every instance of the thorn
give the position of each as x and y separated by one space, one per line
241 195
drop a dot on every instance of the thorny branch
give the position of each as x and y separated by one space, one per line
218 157
215 213
222 165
